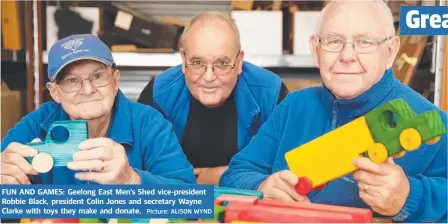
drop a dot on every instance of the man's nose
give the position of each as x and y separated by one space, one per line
87 87
348 54
209 75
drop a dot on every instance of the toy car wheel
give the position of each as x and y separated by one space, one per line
433 140
304 186
378 153
321 187
410 139
399 155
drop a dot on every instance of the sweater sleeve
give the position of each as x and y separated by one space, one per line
427 199
252 165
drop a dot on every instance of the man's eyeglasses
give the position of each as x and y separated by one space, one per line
98 79
220 68
361 46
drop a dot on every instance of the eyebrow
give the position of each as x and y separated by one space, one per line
221 58
195 58
333 34
363 35
356 36
100 68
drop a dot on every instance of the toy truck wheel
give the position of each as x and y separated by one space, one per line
399 155
433 140
321 187
378 153
304 186
410 139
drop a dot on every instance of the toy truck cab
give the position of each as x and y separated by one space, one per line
396 128
388 130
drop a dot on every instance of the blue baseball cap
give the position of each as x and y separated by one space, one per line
74 48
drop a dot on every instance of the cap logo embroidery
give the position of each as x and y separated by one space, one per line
72 44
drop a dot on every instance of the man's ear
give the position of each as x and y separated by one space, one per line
240 61
116 80
182 55
314 47
394 47
52 87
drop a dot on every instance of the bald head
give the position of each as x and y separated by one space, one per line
354 45
213 19
356 11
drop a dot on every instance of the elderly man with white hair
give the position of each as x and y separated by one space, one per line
354 48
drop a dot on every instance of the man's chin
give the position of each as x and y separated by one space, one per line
347 94
211 103
90 115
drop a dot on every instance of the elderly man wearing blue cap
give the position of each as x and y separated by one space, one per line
129 143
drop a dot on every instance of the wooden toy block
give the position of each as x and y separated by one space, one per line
48 221
62 151
250 209
389 130
85 220
218 191
357 214
218 211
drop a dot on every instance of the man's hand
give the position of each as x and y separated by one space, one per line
14 167
281 185
107 158
384 187
209 175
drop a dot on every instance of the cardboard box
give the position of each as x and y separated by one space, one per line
305 24
123 25
148 33
256 5
12 108
260 31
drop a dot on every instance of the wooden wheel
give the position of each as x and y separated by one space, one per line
399 155
433 140
378 153
304 186
410 139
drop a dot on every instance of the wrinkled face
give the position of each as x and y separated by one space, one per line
211 43
86 90
358 66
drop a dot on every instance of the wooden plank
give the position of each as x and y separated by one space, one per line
30 58
11 25
409 55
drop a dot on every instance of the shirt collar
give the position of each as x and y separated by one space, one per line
360 105
246 105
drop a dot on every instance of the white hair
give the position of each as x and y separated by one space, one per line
386 15
212 15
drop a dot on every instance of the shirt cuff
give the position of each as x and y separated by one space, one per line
413 202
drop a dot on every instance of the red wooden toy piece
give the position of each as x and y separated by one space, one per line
250 209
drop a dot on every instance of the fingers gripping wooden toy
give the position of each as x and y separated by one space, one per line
389 130
62 140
